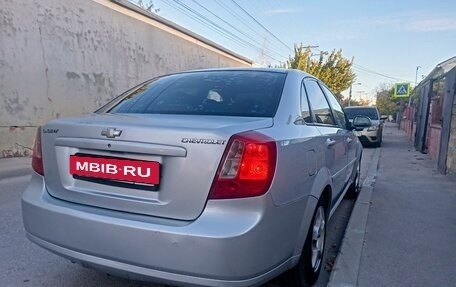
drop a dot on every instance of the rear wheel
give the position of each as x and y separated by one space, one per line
309 266
354 188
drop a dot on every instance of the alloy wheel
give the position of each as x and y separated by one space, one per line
358 175
318 238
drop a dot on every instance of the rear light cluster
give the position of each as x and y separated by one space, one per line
37 158
247 167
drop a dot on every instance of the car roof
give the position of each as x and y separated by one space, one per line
361 107
272 70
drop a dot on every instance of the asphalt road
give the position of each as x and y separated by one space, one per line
25 264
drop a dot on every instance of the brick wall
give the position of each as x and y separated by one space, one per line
434 141
406 123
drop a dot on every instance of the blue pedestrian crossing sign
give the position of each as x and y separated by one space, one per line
401 90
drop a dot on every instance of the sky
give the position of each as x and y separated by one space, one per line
387 39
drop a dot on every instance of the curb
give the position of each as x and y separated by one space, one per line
15 167
16 173
348 261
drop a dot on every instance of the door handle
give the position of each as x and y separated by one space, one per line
330 142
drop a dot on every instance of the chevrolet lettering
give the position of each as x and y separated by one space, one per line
203 141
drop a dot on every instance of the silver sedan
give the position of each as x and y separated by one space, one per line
212 178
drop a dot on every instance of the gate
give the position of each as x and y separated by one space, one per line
450 86
423 117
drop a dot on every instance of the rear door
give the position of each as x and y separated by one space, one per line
349 137
332 138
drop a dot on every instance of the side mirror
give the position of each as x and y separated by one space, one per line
360 122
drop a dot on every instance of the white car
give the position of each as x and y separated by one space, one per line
373 133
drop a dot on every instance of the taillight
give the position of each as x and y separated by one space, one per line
247 167
37 158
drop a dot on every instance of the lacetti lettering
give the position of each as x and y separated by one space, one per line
203 141
50 131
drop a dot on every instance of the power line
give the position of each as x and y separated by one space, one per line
235 28
364 69
367 70
279 25
180 9
207 24
195 15
200 18
261 25
239 18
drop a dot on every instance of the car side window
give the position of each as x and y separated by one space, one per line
305 110
318 103
337 109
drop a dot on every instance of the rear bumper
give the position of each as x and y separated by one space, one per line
136 272
370 137
233 243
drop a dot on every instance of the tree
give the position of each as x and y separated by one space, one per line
332 68
385 103
354 102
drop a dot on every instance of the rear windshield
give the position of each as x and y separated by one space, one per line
223 93
368 112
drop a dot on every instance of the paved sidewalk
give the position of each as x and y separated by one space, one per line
409 237
16 166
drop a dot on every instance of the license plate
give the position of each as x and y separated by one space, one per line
135 171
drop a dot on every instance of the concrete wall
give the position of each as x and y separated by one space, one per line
66 57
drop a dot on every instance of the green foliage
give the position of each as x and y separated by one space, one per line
354 102
386 104
332 68
415 94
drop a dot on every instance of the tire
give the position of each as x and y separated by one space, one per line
379 143
306 272
354 188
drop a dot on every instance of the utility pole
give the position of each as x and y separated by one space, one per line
350 93
410 99
416 75
416 83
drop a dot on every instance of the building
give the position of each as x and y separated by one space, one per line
432 124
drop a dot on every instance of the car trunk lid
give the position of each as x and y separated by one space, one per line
184 150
